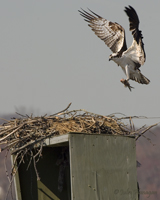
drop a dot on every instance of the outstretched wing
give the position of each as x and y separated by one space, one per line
111 33
136 51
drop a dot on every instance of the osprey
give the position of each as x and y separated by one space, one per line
113 35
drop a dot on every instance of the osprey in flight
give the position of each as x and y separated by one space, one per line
113 35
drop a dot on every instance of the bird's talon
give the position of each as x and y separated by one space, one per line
126 83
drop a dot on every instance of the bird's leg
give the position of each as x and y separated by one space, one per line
126 81
127 72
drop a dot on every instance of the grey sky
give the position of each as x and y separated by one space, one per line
49 57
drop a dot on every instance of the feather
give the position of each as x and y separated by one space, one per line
113 34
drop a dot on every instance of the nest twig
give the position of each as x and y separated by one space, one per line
22 134
25 132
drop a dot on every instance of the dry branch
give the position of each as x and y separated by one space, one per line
24 132
19 136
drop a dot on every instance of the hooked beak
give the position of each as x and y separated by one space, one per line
110 58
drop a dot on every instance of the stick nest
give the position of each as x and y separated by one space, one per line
20 135
26 131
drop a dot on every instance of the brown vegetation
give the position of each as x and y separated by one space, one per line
21 134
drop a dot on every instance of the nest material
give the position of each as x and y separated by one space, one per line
19 136
22 133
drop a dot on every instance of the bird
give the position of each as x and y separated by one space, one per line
113 34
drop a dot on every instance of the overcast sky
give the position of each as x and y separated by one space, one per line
49 57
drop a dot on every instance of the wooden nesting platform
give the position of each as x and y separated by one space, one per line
100 167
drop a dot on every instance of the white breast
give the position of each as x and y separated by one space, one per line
123 61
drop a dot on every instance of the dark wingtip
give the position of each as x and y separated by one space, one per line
88 16
130 9
134 23
94 13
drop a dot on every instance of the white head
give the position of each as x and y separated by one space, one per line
113 56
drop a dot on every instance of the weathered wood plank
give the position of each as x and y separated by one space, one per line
103 167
